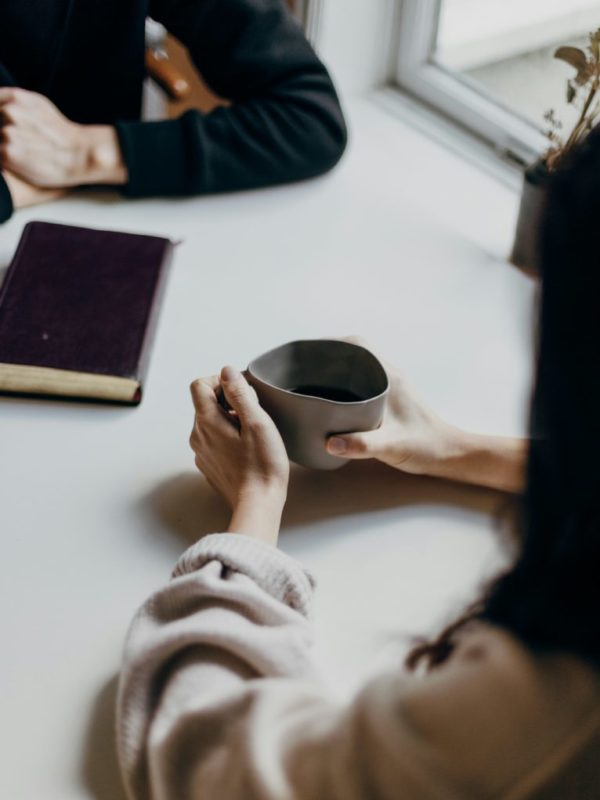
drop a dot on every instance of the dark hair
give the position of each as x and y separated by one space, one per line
550 598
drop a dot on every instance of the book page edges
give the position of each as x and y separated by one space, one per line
25 379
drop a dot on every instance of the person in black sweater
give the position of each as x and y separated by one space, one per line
71 76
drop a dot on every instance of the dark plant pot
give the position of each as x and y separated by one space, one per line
526 248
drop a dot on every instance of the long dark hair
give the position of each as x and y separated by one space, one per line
550 598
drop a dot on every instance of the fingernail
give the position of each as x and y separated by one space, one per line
337 446
229 374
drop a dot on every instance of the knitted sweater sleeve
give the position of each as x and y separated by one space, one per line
220 698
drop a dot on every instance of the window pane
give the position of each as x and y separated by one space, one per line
506 48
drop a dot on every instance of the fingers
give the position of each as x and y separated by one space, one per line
14 112
13 105
13 94
203 394
240 396
210 419
7 93
356 445
228 396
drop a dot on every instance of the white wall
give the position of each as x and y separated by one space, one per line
354 39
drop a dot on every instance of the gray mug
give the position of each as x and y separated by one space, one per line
316 388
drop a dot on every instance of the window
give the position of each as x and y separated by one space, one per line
488 64
309 14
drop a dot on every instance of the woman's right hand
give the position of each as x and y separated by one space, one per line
411 437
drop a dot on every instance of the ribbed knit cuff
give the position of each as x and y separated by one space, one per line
275 572
6 203
156 157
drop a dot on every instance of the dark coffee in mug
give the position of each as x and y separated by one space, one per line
328 393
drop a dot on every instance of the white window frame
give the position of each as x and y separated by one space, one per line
452 94
309 13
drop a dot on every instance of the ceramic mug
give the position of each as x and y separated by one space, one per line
315 388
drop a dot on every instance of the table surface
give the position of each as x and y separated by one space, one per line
404 244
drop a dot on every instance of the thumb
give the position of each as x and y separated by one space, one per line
240 395
355 445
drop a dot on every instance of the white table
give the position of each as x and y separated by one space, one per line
404 244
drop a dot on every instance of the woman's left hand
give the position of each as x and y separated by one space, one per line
241 453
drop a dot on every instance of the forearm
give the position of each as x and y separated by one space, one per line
496 462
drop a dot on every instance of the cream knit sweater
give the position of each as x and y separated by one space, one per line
220 700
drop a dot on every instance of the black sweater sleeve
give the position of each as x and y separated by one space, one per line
284 122
6 204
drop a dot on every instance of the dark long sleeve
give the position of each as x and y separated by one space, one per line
6 204
284 123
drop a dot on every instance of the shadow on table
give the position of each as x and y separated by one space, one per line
187 506
100 768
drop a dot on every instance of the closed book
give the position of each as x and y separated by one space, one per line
78 308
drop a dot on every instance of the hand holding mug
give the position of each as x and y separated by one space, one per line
241 453
411 437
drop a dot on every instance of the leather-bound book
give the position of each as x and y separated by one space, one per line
78 308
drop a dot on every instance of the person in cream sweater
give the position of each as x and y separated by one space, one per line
219 695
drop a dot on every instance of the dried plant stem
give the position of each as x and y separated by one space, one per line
586 63
582 122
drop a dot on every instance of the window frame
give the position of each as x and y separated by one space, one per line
454 95
309 14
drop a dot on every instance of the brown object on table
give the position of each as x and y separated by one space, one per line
161 69
199 95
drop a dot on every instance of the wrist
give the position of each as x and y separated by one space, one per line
435 454
455 446
271 490
496 462
257 511
101 160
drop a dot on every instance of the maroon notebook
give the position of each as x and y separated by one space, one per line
77 312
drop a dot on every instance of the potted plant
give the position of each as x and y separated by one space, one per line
582 92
